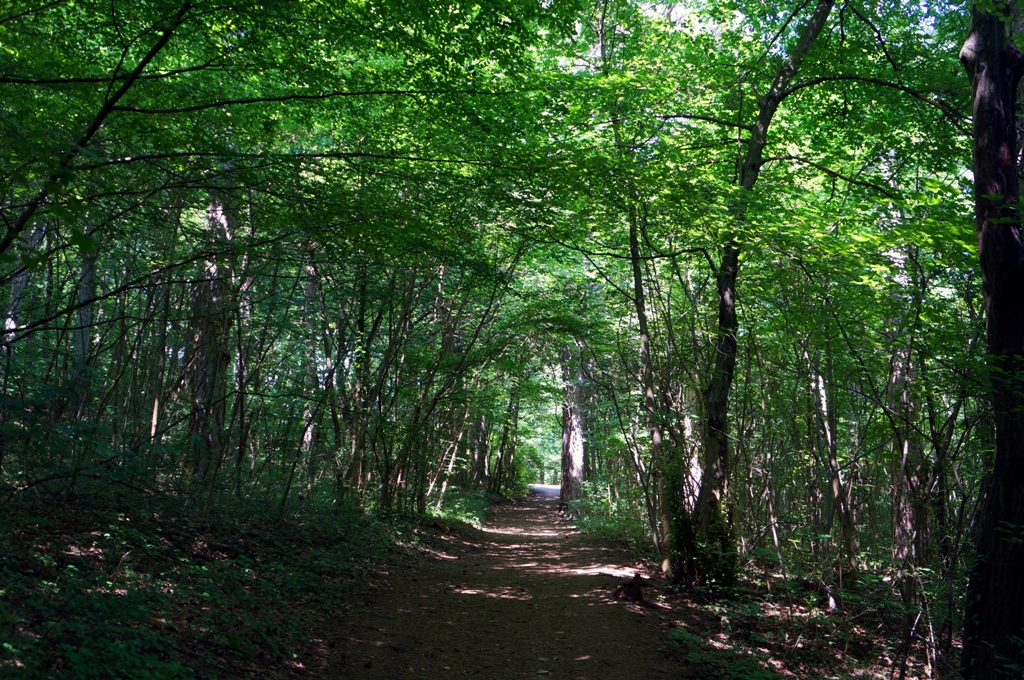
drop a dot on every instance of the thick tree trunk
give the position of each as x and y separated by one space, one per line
715 478
994 616
572 429
211 355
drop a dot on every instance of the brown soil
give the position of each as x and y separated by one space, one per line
525 596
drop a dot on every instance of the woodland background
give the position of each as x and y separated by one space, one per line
709 264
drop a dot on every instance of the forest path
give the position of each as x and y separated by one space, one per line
526 596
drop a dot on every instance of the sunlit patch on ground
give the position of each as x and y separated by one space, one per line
77 551
437 553
507 593
515 531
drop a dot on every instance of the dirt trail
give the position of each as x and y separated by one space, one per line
527 596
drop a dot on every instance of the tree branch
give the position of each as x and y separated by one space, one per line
301 97
28 329
12 17
832 173
97 122
951 112
15 80
707 119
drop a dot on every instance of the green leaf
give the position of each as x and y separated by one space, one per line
85 243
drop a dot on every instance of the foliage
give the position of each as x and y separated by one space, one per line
238 274
614 518
798 627
720 664
466 505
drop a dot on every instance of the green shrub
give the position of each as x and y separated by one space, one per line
616 519
466 505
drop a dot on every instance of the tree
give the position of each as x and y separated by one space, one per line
573 425
350 273
994 616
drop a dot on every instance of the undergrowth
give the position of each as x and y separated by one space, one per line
466 505
797 628
615 519
720 663
156 590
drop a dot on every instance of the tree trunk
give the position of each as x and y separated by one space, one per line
211 354
994 615
662 534
650 399
17 296
157 384
359 421
828 427
711 525
506 449
82 336
715 478
572 429
481 449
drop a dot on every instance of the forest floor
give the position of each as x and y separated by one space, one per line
149 590
526 595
